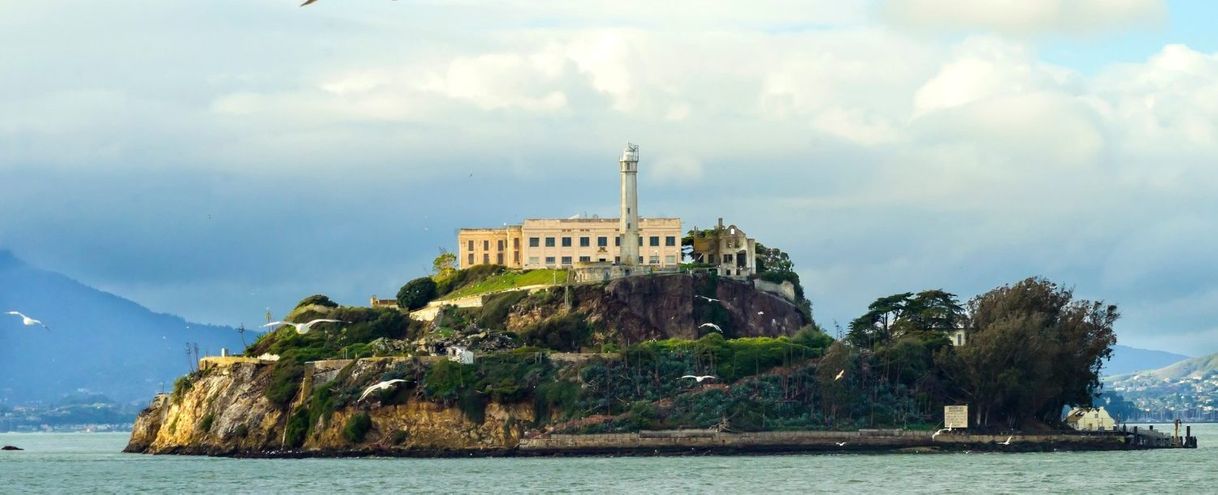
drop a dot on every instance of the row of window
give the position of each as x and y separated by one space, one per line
486 258
600 241
486 245
566 260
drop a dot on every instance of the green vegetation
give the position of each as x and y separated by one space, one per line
495 308
500 281
297 429
567 333
206 422
318 299
329 340
417 293
285 382
357 427
183 385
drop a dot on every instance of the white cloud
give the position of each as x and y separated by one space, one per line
675 168
1025 16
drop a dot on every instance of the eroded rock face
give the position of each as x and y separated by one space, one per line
224 412
667 306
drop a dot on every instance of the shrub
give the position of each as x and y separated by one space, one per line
206 422
182 385
297 429
468 276
417 293
357 427
241 431
399 437
318 299
285 381
495 309
563 333
446 380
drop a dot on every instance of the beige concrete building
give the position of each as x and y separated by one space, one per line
653 243
1088 419
566 242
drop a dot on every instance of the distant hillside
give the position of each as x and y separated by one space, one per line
98 341
1186 390
1127 359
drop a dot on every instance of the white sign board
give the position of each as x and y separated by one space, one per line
955 416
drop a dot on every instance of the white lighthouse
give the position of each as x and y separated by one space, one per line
629 226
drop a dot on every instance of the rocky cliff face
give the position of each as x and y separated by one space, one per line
225 412
668 306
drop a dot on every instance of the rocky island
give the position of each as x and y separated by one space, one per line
661 363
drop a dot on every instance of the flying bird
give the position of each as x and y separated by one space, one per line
708 299
1008 442
941 430
302 328
841 444
761 312
700 378
385 385
839 376
711 325
27 321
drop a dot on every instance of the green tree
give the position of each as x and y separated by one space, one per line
444 266
417 293
773 260
1032 349
318 299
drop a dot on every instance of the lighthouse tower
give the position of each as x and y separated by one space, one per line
629 226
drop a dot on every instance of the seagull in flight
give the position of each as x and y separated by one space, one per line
839 376
711 325
700 378
27 321
761 312
708 299
841 444
385 385
941 430
302 328
1008 442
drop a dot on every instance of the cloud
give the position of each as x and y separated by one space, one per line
1025 17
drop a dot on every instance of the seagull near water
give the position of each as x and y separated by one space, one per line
27 321
708 299
385 385
841 444
1008 442
302 328
839 376
711 325
941 430
700 378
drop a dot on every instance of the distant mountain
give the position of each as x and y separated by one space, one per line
1127 359
1186 390
97 342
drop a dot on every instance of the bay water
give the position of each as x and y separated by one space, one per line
93 463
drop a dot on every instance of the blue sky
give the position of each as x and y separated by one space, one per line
212 159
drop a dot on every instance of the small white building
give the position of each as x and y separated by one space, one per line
1090 419
459 354
958 337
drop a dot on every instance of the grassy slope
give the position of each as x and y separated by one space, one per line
509 280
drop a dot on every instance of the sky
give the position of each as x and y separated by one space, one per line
214 159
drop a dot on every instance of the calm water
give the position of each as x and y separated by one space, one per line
91 463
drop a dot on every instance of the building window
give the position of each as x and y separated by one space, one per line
499 257
486 245
534 261
516 243
549 261
727 258
670 241
486 258
654 240
516 257
640 240
617 241
655 260
670 260
471 257
549 242
501 244
617 260
585 259
566 261
640 260
534 242
602 241
585 241
566 242
470 246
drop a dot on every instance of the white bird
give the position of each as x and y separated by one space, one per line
839 376
711 325
708 299
302 328
941 430
700 378
1008 442
385 385
841 444
761 312
27 321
